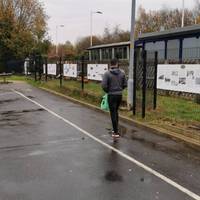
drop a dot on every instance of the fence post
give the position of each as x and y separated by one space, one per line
82 72
46 69
35 67
60 65
155 80
40 67
144 66
134 82
28 67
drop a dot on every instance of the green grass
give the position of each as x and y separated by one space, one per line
17 78
169 110
179 109
90 87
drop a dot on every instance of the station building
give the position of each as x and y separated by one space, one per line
181 45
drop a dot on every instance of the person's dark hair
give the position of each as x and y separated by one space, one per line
113 62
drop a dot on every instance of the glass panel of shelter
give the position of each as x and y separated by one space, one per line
121 52
95 54
107 53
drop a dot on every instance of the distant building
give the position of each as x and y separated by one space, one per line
173 46
106 52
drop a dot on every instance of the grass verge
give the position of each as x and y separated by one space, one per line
172 114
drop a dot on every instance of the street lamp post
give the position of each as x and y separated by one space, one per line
57 37
132 48
183 13
91 24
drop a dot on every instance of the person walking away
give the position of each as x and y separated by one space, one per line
114 82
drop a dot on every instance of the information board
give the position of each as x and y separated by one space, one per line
52 69
44 69
70 70
26 67
96 71
183 78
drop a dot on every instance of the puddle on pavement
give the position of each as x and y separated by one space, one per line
33 110
109 129
123 130
18 147
154 145
8 119
8 100
10 123
31 97
12 117
142 179
147 143
11 112
177 153
113 176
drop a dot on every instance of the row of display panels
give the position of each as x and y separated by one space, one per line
180 78
94 71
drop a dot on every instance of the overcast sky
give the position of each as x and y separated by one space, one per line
75 15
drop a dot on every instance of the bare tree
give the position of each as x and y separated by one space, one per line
165 18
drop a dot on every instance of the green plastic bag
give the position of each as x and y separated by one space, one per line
104 103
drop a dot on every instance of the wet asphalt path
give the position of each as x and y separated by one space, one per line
45 158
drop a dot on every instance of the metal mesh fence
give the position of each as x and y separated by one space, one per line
144 81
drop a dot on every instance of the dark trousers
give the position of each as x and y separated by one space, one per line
114 102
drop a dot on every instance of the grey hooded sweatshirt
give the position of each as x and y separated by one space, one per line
114 81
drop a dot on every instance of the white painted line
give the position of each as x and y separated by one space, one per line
139 164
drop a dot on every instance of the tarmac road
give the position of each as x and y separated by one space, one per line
51 148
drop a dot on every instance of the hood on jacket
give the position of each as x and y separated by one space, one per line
115 71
